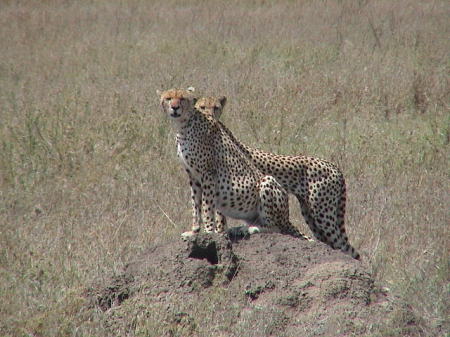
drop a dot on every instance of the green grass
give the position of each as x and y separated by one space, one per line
88 167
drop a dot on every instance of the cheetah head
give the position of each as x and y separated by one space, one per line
211 106
178 104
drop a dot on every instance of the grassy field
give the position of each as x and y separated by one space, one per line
88 170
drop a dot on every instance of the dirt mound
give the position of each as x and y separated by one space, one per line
269 285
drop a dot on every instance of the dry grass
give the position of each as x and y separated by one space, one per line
88 169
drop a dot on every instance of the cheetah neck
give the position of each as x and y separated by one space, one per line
181 126
244 148
196 126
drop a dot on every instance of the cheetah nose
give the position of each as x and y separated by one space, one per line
175 108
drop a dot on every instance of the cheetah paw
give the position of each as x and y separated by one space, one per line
188 234
253 230
241 232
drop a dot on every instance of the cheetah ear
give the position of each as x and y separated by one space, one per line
194 100
191 89
223 100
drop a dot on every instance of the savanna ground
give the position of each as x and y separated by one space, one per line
88 170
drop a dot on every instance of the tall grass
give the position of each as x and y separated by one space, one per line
88 168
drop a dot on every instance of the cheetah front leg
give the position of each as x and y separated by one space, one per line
208 202
203 206
196 199
221 222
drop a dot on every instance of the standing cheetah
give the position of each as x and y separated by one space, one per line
221 176
318 185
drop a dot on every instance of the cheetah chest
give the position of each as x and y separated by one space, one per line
194 158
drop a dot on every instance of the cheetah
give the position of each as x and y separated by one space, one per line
221 177
318 185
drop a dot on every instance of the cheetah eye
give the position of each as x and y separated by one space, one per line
167 98
182 99
202 107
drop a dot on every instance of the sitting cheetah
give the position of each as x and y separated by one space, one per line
318 185
221 177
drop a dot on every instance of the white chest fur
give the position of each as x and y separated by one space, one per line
180 152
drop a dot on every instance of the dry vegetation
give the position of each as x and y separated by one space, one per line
88 169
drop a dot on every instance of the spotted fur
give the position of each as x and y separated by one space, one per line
222 179
318 185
